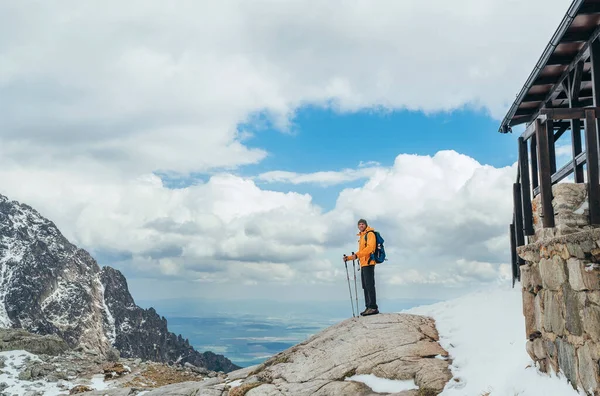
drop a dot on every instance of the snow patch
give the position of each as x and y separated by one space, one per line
64 294
112 328
484 333
97 382
235 383
14 364
9 260
381 385
582 208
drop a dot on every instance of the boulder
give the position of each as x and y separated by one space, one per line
17 339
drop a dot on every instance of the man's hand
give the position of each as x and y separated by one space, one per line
347 258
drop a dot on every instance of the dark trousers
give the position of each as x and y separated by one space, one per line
367 276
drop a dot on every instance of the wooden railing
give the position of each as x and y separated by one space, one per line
537 147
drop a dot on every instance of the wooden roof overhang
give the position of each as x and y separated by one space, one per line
564 67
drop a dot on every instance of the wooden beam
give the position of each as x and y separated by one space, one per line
560 131
534 163
558 60
593 171
574 37
561 125
556 80
563 95
575 87
589 8
564 171
557 112
545 174
568 168
567 113
529 131
582 55
534 97
522 112
525 187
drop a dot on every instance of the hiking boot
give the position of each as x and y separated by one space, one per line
363 312
370 311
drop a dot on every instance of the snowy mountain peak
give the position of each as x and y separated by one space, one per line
49 286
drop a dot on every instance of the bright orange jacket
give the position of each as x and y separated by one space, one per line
366 248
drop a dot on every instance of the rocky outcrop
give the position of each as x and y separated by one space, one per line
392 346
50 286
18 339
38 365
143 333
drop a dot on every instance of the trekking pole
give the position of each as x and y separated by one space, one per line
355 289
349 288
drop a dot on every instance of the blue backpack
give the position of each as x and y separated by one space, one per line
379 254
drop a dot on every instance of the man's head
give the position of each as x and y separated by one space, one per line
362 225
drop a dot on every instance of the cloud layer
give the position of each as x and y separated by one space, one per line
444 219
146 86
99 97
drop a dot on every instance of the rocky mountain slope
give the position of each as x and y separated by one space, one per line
49 286
35 365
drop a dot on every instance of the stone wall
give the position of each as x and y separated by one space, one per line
561 290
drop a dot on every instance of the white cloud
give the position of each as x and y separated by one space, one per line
146 86
444 219
323 178
564 150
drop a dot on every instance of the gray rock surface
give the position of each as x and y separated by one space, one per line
15 339
392 346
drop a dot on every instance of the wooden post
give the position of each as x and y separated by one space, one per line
525 188
591 149
513 254
518 204
595 69
576 148
534 163
551 145
545 173
573 89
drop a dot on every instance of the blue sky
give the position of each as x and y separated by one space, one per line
323 139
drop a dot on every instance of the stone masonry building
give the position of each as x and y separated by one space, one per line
555 230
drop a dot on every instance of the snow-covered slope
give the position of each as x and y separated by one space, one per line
484 333
50 286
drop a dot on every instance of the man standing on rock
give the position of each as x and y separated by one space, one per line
366 247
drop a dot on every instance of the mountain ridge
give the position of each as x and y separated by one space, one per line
50 286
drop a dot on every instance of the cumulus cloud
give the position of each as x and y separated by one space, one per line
147 87
323 178
444 219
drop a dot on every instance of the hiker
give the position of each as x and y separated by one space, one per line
366 247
